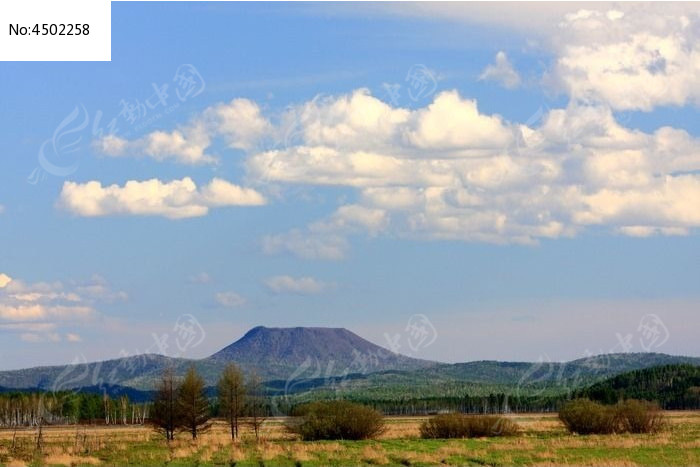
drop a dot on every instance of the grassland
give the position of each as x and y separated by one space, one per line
542 441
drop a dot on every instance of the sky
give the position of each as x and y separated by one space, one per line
452 181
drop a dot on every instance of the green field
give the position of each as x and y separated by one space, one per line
542 441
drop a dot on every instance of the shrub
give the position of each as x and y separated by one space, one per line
455 425
336 420
584 417
637 416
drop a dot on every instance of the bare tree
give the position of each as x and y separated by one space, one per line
231 395
257 412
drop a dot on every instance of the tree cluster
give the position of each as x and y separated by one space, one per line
182 404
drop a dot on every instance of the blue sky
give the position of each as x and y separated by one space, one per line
529 190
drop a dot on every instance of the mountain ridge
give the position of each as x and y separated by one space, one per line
314 356
273 353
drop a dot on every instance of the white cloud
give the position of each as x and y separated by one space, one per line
447 171
307 245
37 312
296 285
4 280
35 308
175 200
97 288
630 57
502 72
451 171
239 122
229 299
455 124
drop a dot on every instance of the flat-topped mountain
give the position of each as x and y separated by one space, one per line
312 352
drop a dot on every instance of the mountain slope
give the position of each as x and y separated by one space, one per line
110 372
292 353
274 353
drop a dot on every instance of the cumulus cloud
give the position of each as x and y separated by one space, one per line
239 122
501 71
34 310
628 55
449 171
632 57
49 301
175 200
4 280
295 285
229 299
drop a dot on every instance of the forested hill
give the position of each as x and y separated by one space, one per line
300 359
672 386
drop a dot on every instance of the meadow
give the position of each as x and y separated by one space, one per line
542 441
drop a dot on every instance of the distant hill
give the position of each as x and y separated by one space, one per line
572 373
274 353
300 359
84 374
672 386
484 377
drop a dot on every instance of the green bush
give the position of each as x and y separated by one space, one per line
455 425
585 417
637 416
336 420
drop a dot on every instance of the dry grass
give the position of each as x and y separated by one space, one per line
66 459
374 455
543 441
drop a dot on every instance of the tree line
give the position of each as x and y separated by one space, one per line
674 387
66 407
494 403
